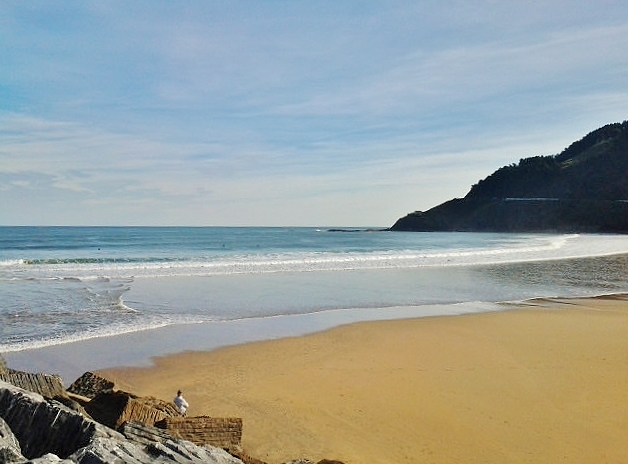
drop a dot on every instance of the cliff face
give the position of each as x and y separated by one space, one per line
582 189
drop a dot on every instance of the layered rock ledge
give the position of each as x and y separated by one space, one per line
92 423
35 427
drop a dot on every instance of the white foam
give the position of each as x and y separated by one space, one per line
309 322
111 280
506 249
107 331
543 247
11 262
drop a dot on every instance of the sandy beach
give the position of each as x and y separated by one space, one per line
546 382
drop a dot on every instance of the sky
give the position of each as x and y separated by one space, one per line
289 112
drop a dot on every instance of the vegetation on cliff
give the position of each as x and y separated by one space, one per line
582 189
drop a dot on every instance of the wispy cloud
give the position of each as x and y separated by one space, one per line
289 112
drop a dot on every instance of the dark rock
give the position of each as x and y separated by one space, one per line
48 386
107 408
45 426
329 461
72 404
89 385
582 189
3 366
519 215
9 446
115 408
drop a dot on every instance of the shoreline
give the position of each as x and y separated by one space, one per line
545 381
542 380
138 349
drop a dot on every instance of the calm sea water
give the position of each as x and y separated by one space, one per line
60 284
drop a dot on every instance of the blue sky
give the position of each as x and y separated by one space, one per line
288 112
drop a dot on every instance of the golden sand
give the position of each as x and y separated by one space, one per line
545 383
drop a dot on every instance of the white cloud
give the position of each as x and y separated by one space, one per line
345 113
426 81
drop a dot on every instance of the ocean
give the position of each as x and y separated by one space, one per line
68 284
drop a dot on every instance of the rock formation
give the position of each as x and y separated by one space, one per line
10 450
35 427
115 408
104 451
223 432
49 386
89 385
45 426
91 423
144 434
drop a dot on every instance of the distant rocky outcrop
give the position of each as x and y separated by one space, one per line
582 189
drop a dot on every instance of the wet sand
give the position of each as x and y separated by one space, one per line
546 382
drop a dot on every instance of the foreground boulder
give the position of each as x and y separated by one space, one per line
45 426
10 450
115 408
104 451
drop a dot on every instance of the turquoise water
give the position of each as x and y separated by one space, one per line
60 284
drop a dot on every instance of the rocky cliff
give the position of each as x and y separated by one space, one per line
582 189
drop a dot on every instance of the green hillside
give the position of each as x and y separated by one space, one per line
582 189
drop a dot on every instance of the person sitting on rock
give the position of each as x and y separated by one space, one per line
181 404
